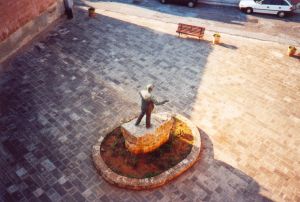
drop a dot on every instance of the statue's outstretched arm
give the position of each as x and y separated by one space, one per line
157 102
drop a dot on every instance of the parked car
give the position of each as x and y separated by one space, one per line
277 7
189 3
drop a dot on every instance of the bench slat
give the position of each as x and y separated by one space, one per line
190 30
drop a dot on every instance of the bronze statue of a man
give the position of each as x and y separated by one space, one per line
148 102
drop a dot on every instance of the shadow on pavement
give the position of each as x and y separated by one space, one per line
228 46
297 56
49 120
219 180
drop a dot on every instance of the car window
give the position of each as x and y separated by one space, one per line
279 2
284 3
266 2
288 2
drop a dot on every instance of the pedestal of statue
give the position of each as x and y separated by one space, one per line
139 139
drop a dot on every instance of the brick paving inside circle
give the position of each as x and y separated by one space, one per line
60 95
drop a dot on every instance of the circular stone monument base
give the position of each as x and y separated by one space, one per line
116 174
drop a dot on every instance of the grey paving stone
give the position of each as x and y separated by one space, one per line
48 165
21 172
38 192
12 189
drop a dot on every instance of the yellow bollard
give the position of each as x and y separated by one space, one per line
217 38
92 12
291 50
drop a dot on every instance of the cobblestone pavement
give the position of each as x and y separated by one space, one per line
63 92
223 19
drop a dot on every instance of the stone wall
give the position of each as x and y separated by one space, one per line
21 20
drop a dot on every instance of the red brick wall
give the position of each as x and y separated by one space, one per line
15 13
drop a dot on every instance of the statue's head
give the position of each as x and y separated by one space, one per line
150 87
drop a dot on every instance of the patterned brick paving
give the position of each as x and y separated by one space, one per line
59 95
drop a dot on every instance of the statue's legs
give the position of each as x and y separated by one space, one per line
148 114
148 119
143 112
147 110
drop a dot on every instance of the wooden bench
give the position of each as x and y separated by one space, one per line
190 30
